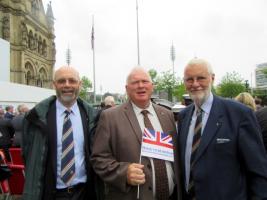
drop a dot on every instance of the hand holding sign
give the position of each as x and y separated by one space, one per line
135 174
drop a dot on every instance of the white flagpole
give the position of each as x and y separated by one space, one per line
137 28
138 187
93 48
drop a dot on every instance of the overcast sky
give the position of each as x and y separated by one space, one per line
230 34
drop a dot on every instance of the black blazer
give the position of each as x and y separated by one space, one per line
50 174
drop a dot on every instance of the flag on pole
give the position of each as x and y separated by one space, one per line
92 37
157 144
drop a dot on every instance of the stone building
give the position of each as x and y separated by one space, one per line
30 32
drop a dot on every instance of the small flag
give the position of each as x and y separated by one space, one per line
92 37
157 144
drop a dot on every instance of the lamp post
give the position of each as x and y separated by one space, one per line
246 85
172 55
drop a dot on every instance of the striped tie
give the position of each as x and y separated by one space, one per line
195 145
67 157
162 186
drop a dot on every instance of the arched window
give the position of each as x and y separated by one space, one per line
44 50
31 40
42 77
29 74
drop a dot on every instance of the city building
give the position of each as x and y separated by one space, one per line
30 33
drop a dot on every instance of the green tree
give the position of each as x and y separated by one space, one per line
153 74
231 85
264 71
179 90
166 81
86 85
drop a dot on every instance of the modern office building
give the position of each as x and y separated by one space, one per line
260 77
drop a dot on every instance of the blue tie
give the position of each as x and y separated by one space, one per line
67 157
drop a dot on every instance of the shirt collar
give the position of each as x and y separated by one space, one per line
206 106
61 108
139 110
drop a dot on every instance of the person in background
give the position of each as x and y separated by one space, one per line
55 143
9 112
2 113
246 99
6 135
221 152
109 102
117 145
258 103
261 115
17 124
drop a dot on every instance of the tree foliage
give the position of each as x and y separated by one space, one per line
264 71
85 87
231 85
153 74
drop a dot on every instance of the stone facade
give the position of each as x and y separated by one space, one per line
30 32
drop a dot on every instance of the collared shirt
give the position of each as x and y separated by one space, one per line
206 106
78 137
156 125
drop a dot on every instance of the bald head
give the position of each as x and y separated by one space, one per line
66 69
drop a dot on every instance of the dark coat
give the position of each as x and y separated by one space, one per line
39 150
262 119
235 169
17 124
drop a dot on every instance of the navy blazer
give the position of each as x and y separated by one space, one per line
231 162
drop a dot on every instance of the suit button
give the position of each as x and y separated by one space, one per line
148 166
149 188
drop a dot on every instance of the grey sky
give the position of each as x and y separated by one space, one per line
232 35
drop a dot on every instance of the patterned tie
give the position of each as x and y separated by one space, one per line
162 186
195 145
67 157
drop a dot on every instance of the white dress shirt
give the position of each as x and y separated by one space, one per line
206 106
78 137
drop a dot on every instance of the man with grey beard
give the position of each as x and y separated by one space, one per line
221 152
55 144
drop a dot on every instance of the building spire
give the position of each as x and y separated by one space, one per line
50 15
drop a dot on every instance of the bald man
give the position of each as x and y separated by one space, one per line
55 143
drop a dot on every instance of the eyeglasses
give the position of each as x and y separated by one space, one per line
191 80
69 80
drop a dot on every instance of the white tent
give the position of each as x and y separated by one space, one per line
15 94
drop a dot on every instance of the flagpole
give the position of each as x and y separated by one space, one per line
93 48
137 28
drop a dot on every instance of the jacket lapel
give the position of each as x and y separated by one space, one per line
129 112
214 123
52 137
183 128
162 119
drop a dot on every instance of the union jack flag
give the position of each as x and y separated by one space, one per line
157 138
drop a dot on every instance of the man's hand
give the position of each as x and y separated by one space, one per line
135 174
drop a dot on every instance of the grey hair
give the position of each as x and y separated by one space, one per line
200 61
109 101
137 69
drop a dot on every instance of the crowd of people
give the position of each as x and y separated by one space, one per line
72 152
11 123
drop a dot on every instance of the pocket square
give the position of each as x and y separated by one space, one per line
222 140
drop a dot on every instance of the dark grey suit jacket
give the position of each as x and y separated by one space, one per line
117 144
234 169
